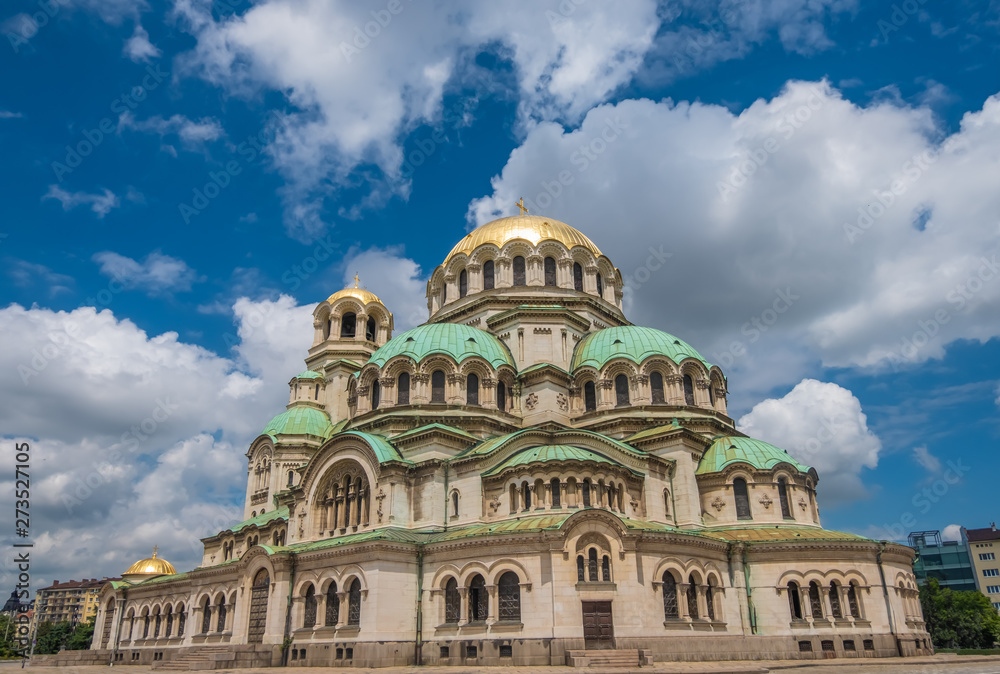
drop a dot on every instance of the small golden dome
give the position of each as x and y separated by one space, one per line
532 228
364 296
151 566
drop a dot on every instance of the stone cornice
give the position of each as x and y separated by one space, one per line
511 316
503 298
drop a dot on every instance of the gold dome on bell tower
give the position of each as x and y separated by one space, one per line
149 567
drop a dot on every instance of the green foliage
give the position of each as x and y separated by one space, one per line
81 637
959 619
9 648
52 637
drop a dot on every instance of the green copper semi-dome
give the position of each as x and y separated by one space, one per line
759 454
309 374
633 342
458 341
300 421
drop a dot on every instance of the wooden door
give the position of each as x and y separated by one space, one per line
598 628
258 607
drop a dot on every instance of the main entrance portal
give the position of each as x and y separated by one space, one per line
598 629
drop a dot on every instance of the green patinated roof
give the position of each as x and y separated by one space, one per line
546 453
300 421
539 366
633 342
730 449
487 446
384 451
262 519
309 374
763 534
458 341
442 427
655 430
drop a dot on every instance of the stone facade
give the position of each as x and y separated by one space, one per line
525 475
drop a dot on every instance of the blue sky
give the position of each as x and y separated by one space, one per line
185 180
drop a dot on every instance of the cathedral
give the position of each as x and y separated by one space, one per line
527 478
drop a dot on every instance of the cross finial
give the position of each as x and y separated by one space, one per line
155 550
520 204
357 279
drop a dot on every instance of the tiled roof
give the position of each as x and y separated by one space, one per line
987 534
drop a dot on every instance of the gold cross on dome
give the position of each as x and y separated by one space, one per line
357 279
520 204
156 549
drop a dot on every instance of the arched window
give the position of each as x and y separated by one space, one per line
585 489
526 495
463 283
556 494
581 573
711 395
577 277
347 325
852 601
666 501
437 386
670 610
592 572
354 603
156 628
452 602
316 394
181 621
692 597
332 605
488 277
814 601
794 603
472 389
550 271
222 614
454 504
376 394
479 600
403 389
742 499
170 622
835 601
291 478
688 390
444 294
786 511
600 286
370 329
145 625
502 396
656 385
206 619
606 569
621 391
710 601
509 597
519 279
589 396
310 607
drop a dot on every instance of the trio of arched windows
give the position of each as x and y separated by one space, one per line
349 327
657 391
671 605
743 511
478 607
332 613
438 390
815 594
589 570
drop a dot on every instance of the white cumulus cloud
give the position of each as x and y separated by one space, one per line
156 273
101 203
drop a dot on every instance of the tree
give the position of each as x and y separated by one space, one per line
81 637
52 637
959 619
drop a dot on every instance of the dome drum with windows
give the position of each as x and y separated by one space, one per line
555 479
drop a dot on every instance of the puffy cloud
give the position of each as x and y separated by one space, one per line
139 48
156 273
138 439
400 283
806 226
100 203
193 134
930 463
821 425
952 532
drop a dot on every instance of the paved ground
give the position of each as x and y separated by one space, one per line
939 664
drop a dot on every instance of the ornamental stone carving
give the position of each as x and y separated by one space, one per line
531 401
765 501
562 401
718 504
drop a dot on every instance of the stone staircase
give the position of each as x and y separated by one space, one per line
201 657
609 658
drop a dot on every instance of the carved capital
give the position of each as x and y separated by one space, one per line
387 382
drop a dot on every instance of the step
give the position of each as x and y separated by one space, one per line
603 658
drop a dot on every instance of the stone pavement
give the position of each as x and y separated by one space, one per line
937 664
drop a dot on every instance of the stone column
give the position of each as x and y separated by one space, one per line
493 609
702 592
342 613
463 608
682 601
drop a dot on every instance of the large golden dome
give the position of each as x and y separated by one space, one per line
533 228
151 566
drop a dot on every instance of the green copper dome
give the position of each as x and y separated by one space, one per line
759 454
309 374
547 454
633 342
458 341
300 421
